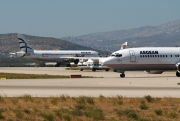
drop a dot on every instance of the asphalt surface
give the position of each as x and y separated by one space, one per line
135 84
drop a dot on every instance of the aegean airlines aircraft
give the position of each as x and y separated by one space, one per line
150 59
58 56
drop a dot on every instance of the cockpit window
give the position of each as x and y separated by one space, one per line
118 55
112 55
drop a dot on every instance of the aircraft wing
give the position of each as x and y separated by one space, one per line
86 58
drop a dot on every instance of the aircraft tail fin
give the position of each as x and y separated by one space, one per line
23 44
123 46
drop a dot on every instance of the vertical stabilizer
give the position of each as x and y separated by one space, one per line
23 44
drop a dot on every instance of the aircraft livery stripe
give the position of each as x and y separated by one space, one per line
139 64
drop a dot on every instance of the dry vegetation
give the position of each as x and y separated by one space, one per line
34 76
64 108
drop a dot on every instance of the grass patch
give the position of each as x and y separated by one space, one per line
94 113
88 109
30 76
143 106
35 76
130 113
47 116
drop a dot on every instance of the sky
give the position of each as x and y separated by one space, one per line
62 18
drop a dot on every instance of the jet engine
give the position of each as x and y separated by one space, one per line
20 53
154 71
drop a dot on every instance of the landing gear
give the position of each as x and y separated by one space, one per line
93 69
177 74
107 69
81 69
57 64
122 75
68 65
115 70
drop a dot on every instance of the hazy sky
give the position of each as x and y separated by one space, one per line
60 18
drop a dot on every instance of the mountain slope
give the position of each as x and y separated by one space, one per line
167 34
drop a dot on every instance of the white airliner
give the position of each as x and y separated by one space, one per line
58 56
150 59
93 63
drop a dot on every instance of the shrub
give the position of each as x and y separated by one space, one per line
77 112
63 97
149 98
173 115
19 114
80 106
15 100
143 106
90 100
58 113
120 112
131 113
54 101
158 112
81 100
26 111
1 116
27 97
120 100
144 119
94 113
67 118
1 99
101 97
48 117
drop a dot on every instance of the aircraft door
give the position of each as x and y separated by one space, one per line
132 56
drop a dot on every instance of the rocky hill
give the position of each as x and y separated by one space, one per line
167 34
9 43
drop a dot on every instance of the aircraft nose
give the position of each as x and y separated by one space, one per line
107 61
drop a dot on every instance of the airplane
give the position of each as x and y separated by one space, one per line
58 56
153 60
93 64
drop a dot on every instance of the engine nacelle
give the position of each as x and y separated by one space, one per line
20 53
154 71
178 67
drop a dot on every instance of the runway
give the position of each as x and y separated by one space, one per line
136 84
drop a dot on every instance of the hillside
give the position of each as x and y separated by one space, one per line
9 43
167 34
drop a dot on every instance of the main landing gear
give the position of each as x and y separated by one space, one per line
122 75
177 74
